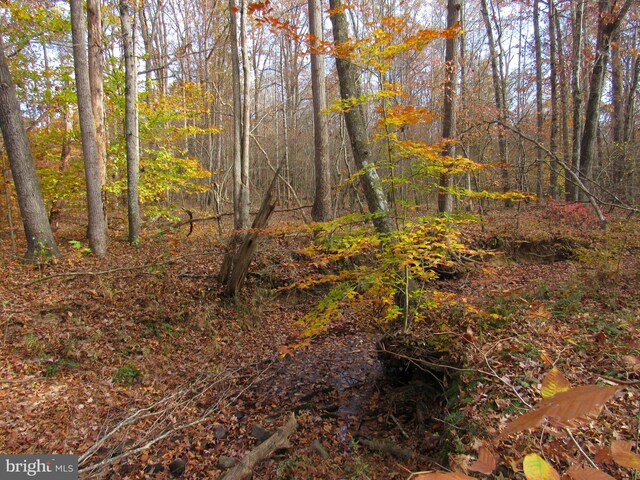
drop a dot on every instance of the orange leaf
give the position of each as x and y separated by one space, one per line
486 462
623 456
554 382
587 473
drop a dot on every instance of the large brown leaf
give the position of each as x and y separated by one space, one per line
565 409
587 473
623 456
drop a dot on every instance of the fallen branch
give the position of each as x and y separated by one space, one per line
278 440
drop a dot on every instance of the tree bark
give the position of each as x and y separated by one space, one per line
131 119
96 71
449 110
245 197
97 230
321 210
617 115
356 125
37 230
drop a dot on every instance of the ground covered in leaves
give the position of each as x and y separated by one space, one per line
136 363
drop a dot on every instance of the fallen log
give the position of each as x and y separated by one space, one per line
278 440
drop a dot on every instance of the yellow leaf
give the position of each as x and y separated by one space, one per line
554 382
536 468
623 456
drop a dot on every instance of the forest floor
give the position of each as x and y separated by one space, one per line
136 363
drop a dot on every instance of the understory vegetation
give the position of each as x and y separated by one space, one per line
136 363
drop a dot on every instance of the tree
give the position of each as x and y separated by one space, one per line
499 92
539 115
445 199
241 120
321 210
356 124
608 23
34 214
97 230
96 69
553 79
131 120
576 93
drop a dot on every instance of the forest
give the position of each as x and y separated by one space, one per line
385 239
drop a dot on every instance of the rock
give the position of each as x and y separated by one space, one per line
259 433
220 432
226 462
177 467
317 446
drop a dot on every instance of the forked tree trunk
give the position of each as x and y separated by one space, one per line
357 127
37 230
97 230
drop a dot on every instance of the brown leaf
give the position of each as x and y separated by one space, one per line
569 408
554 382
564 409
486 462
587 473
623 456
523 422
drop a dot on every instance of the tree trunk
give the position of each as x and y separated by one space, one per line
618 127
245 197
321 210
97 222
539 116
553 78
564 96
499 96
240 195
356 125
449 110
608 23
131 119
96 70
576 80
37 230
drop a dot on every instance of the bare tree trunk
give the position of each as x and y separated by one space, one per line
499 94
553 78
131 119
245 197
96 69
240 139
97 222
321 210
564 96
539 117
617 115
449 110
37 230
356 125
578 29
608 23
